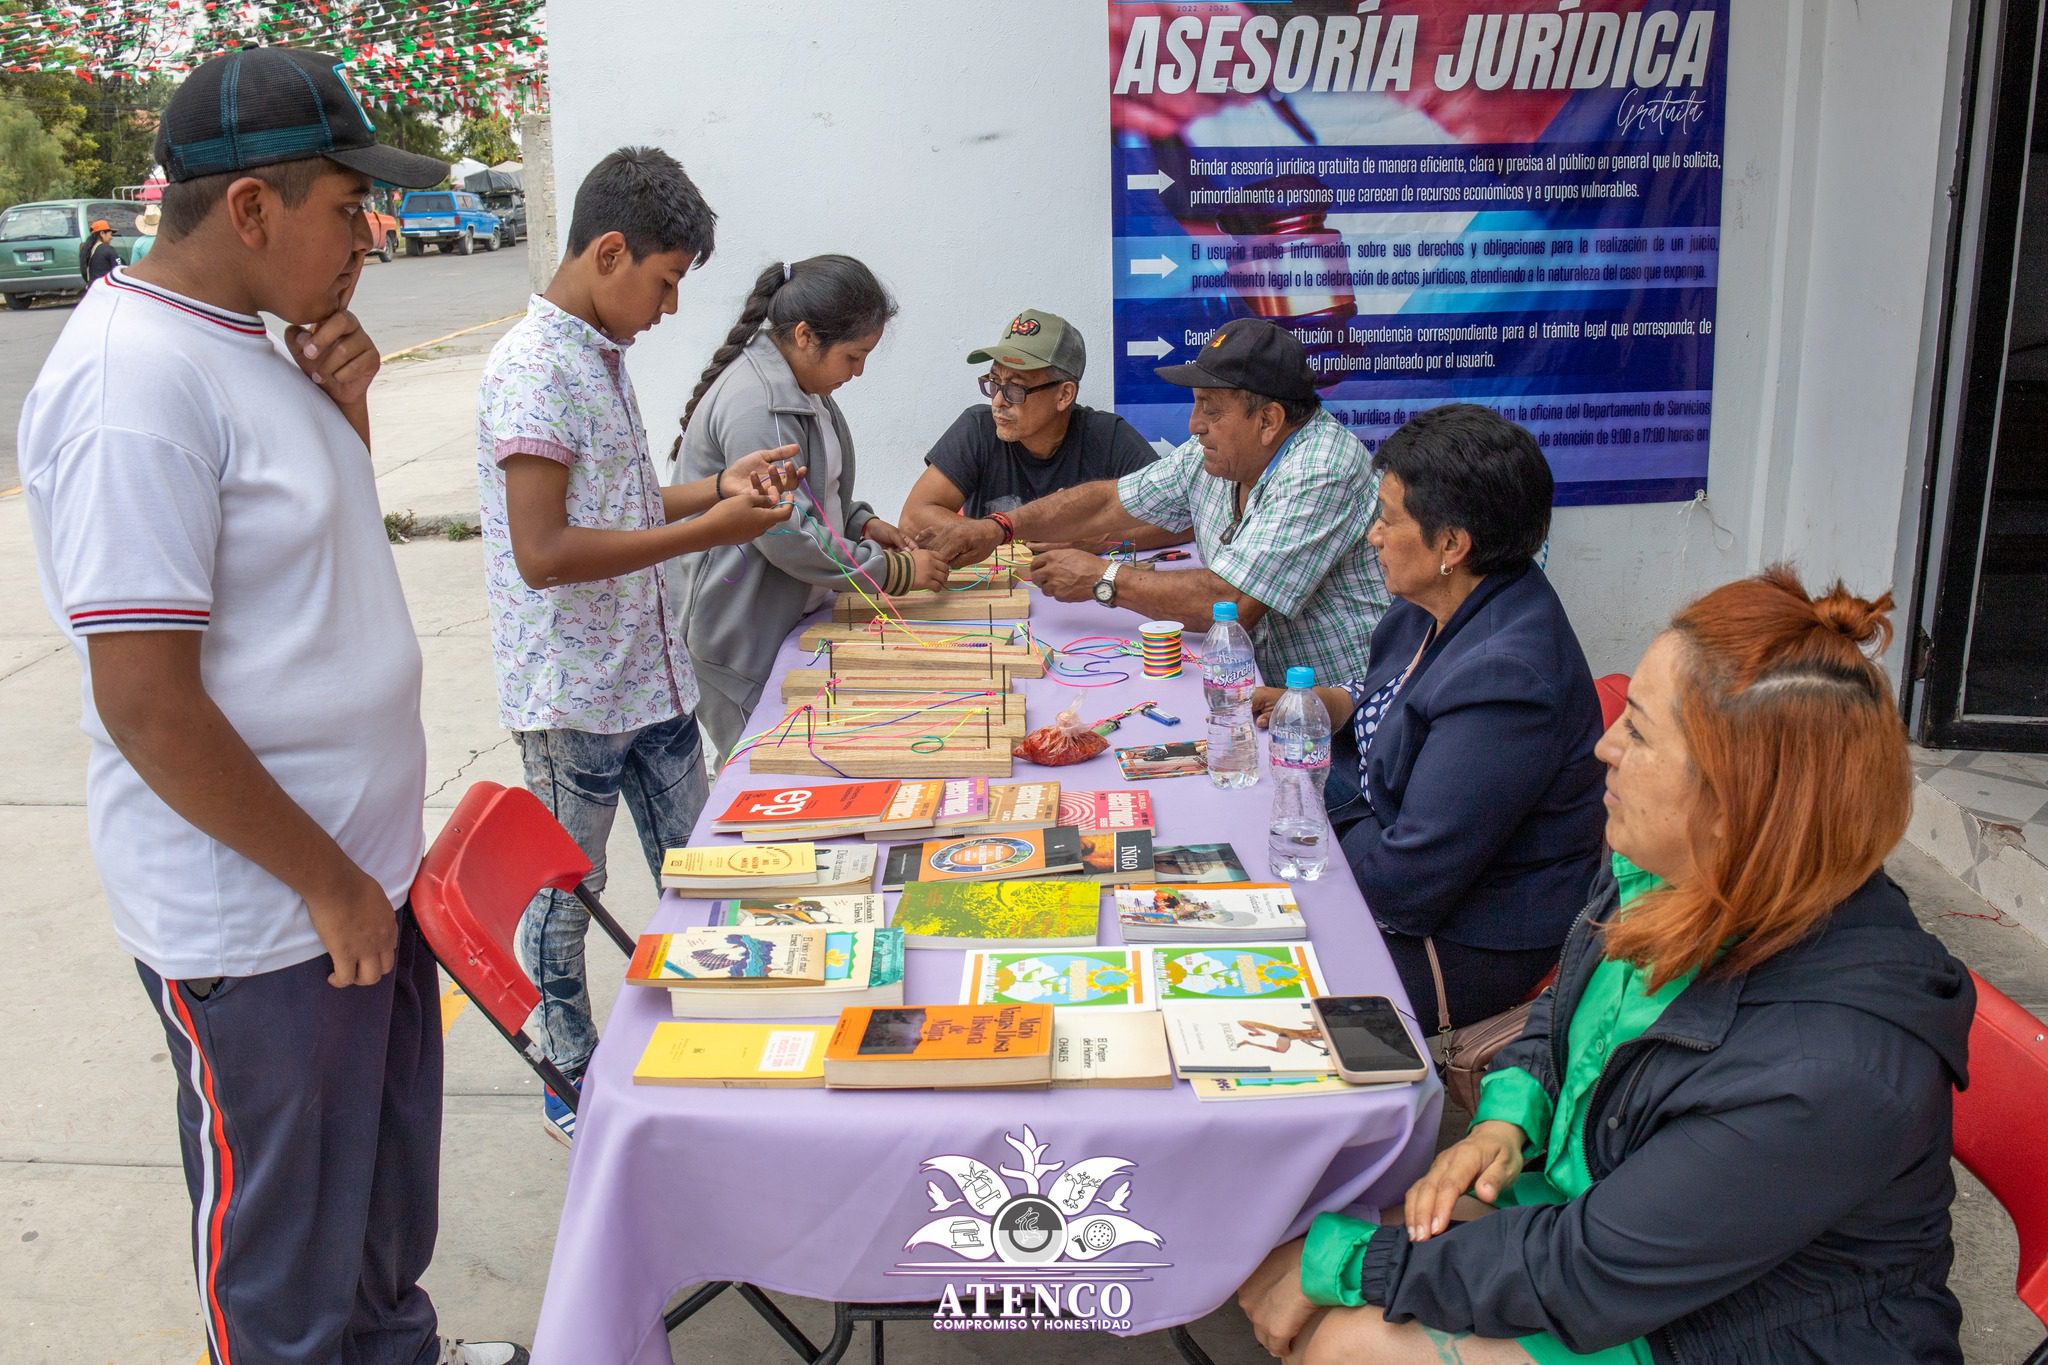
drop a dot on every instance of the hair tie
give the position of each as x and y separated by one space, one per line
785 272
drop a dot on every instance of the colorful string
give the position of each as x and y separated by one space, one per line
784 730
1096 651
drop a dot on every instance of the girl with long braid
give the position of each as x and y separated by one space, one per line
806 329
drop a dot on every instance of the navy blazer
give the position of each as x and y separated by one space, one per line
1485 823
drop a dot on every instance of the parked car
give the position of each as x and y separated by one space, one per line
454 220
383 234
40 244
510 206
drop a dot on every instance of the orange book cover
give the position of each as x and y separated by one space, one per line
941 1033
846 803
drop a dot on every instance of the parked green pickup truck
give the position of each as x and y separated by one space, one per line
454 220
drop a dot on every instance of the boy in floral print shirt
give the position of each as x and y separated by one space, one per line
593 680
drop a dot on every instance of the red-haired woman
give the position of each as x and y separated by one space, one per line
1738 1091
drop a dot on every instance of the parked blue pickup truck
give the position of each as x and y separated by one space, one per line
454 220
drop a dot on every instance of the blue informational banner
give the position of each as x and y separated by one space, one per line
1508 202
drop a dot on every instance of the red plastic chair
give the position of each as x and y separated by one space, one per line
1613 693
1998 1131
499 848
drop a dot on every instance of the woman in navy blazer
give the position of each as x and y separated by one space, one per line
1463 787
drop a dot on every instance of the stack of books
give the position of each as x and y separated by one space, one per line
756 912
941 1047
1054 913
984 857
1110 812
1197 863
973 806
1104 858
1189 913
961 802
1235 971
767 871
1111 1049
771 973
1246 1038
735 1056
773 815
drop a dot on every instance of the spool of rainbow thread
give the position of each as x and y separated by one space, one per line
1160 648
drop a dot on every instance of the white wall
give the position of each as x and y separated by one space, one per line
962 151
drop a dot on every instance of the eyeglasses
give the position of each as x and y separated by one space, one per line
1013 394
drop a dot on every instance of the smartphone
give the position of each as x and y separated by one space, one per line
1368 1042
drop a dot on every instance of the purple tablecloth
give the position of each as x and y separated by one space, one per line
815 1192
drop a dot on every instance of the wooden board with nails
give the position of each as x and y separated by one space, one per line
802 684
928 744
941 706
962 651
971 604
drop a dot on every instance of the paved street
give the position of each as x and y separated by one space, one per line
411 300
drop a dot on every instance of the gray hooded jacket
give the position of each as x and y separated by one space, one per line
738 602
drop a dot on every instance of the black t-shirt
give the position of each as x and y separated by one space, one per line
996 475
101 261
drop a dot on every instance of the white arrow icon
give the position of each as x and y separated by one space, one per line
1158 180
1161 266
1164 448
1158 348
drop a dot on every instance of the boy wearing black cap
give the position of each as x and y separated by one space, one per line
1279 497
208 537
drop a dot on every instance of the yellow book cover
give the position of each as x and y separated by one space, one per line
1023 803
914 804
734 1055
734 862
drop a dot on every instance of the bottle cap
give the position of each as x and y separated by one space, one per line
1298 676
1223 611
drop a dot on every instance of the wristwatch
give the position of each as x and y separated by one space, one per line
1105 586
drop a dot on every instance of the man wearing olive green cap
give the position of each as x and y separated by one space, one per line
1031 438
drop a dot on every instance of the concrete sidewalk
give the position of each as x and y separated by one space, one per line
93 1246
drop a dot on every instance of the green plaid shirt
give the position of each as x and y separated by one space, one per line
1301 550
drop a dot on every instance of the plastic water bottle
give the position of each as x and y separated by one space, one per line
1229 674
1299 844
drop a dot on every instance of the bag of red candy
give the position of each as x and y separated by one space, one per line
1067 740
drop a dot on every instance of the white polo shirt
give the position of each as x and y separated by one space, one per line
181 473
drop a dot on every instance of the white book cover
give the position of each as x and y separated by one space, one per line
1245 1037
1113 1049
1196 912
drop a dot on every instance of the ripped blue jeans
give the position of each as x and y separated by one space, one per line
580 777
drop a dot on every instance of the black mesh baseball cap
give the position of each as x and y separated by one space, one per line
260 106
1250 354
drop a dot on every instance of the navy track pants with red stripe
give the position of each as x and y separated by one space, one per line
310 1118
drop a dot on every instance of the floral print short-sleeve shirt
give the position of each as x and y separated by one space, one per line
600 656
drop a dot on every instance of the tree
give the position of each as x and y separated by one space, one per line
487 138
32 164
126 127
411 131
64 105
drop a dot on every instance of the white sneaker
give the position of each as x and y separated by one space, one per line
455 1352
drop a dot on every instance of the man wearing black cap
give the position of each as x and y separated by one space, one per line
1278 494
208 537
